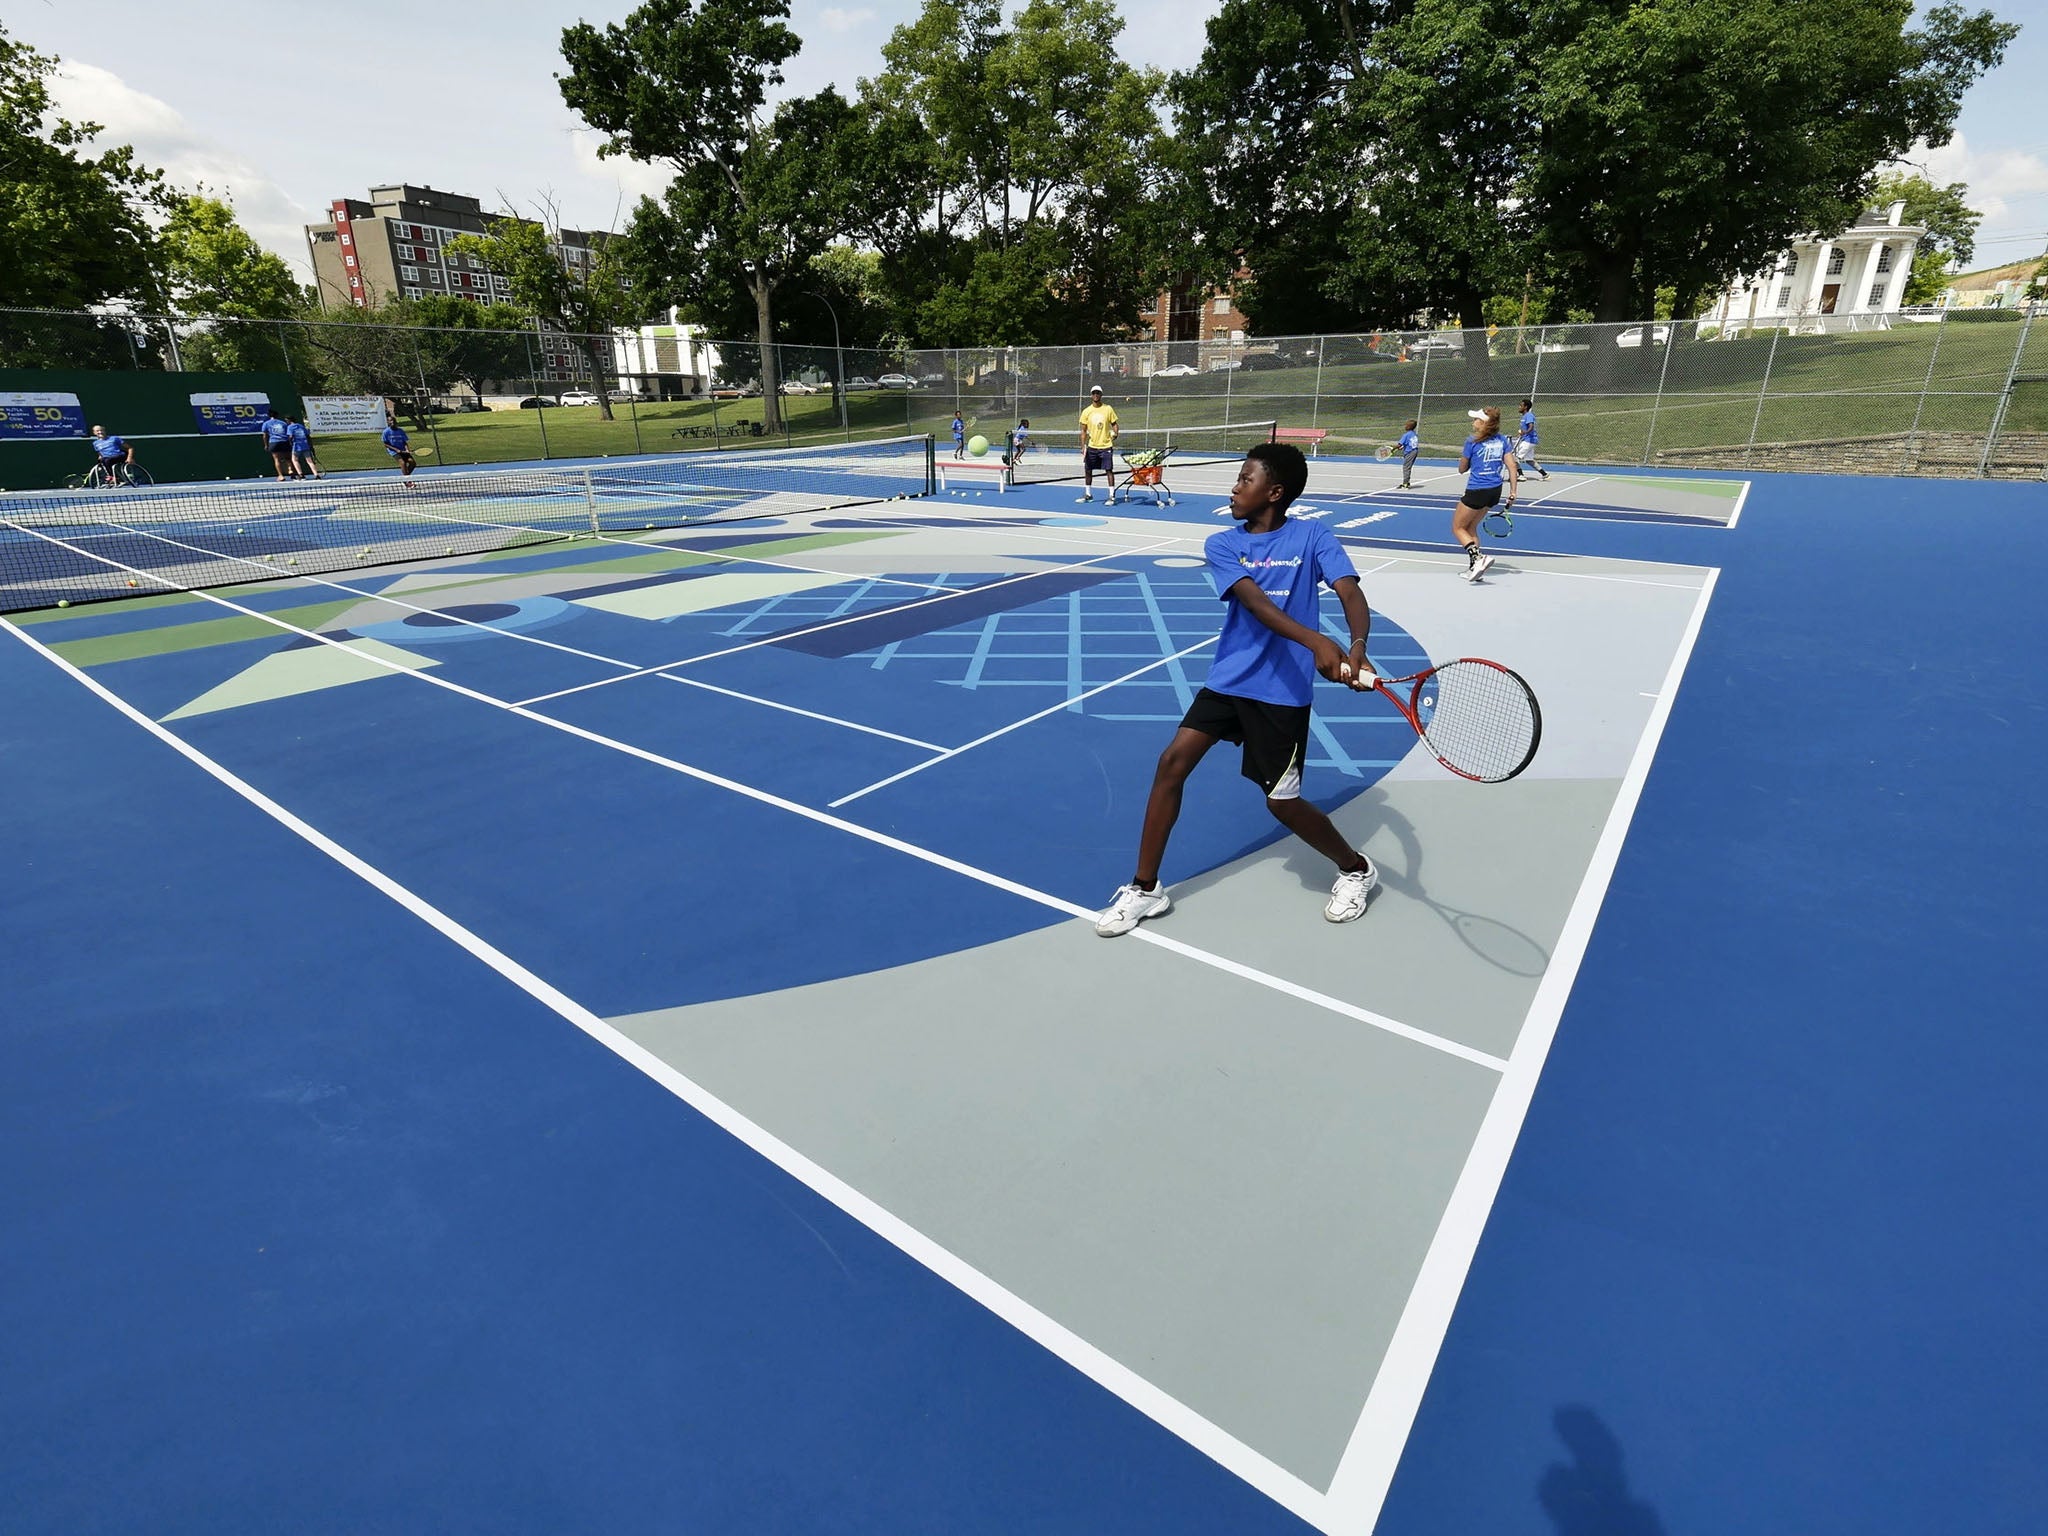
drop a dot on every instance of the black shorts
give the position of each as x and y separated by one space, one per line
1274 737
1097 458
1480 497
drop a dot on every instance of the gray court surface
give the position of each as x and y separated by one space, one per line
1225 1186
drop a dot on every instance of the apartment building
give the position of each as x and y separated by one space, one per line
394 245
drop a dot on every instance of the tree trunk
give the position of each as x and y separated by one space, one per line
771 383
1611 302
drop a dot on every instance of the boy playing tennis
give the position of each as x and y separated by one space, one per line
1020 440
399 446
959 436
1525 440
1267 572
1410 445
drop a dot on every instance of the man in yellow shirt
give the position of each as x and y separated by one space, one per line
1098 436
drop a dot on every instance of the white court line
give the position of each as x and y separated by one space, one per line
1366 1471
1274 1481
1741 497
513 634
808 714
1017 725
851 618
854 828
1571 485
1052 709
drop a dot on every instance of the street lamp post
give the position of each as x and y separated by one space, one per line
838 361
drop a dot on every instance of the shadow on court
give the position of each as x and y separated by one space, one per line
1590 1496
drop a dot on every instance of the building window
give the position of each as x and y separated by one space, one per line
1784 298
410 274
1884 258
1223 305
403 231
350 258
1836 258
1877 295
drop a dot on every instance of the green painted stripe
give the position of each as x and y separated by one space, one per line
170 639
1727 490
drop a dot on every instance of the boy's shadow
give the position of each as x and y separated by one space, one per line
1591 1497
1503 947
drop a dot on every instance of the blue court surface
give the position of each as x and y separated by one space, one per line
607 1034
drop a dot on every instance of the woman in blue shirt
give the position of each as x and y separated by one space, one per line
1486 463
1525 440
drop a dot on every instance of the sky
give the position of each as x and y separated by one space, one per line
322 101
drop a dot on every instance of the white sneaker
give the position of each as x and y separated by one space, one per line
1350 894
1477 566
1131 907
1089 496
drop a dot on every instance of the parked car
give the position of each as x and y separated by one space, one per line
626 394
1255 362
1177 371
535 402
461 405
897 381
1436 344
578 397
1633 336
727 392
860 381
931 378
798 387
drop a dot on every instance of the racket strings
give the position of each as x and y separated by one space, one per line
1484 721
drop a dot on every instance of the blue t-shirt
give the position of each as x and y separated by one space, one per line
1289 564
959 431
1487 456
301 438
395 439
1409 443
1529 425
276 432
109 448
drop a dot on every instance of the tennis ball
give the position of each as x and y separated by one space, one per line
133 583
977 446
63 602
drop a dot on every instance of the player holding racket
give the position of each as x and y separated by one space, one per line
1267 570
1487 460
1525 440
1410 445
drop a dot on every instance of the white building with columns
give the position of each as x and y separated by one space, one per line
1860 272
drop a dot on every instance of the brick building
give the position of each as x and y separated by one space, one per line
394 245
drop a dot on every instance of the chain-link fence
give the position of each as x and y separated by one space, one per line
1961 393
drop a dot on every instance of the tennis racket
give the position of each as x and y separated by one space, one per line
1478 717
1500 519
1383 453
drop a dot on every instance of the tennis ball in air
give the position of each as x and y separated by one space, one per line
977 445
133 583
63 602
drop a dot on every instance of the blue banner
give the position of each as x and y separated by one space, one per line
40 415
230 412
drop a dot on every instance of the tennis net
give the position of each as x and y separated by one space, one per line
1217 443
63 547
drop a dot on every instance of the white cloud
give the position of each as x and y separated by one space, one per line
2008 186
631 179
163 138
839 19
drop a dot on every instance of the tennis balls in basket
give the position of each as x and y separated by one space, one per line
977 445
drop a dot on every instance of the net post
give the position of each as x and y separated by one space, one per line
590 502
1315 404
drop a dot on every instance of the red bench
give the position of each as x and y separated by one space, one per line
1313 436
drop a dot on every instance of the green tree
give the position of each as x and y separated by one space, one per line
463 342
584 292
77 228
1668 154
1030 162
756 195
1950 221
1359 159
214 267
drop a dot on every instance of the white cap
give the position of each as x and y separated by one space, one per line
1096 390
1475 415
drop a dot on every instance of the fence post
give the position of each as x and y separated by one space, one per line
540 412
426 399
1228 371
1920 408
1749 448
1422 397
1315 405
2005 396
1656 405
